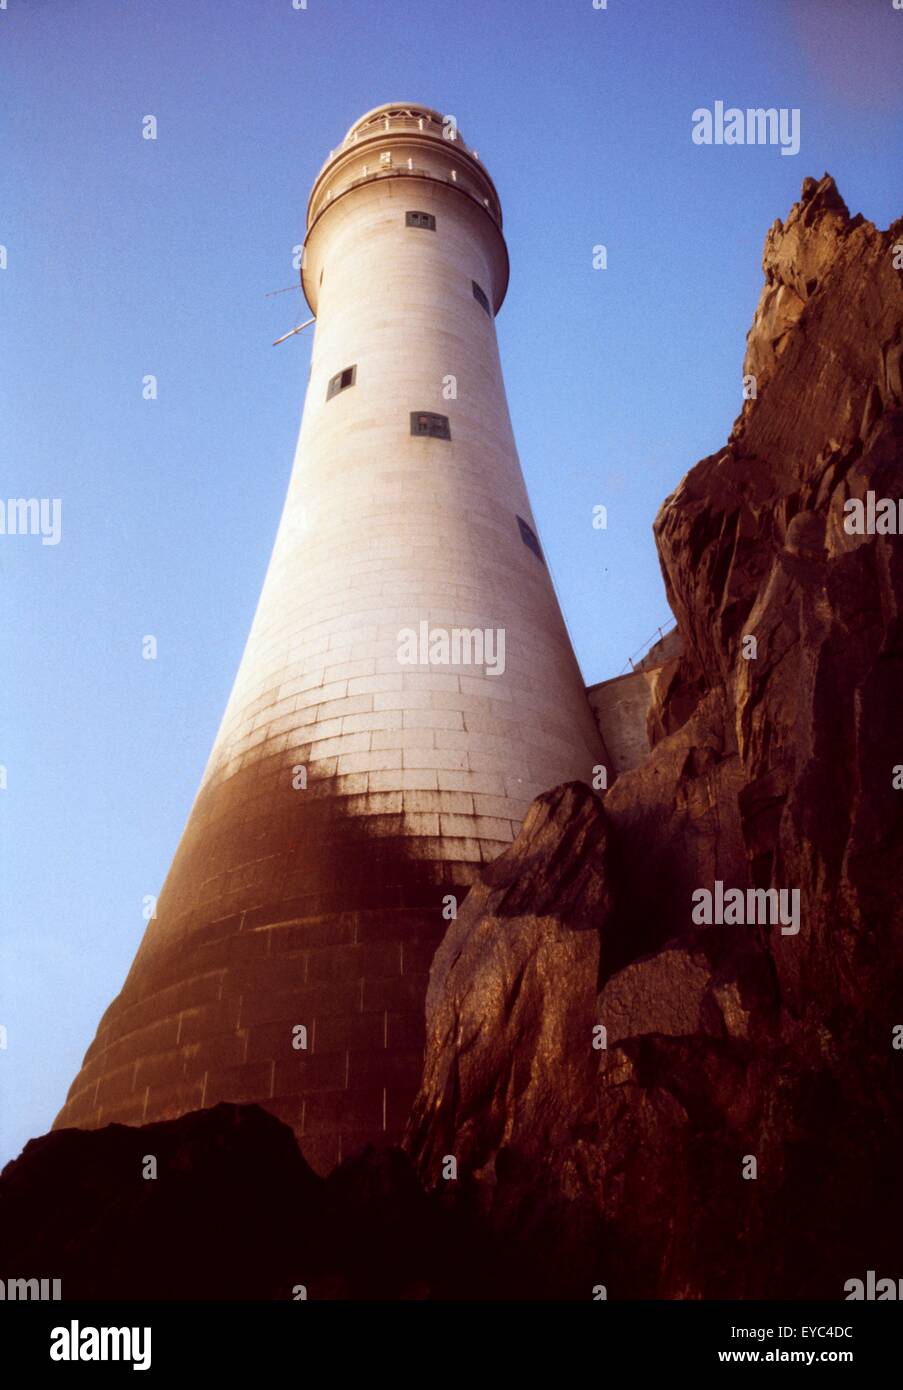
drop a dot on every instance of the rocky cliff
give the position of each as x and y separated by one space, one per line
740 1134
617 1092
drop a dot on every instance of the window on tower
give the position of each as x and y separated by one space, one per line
480 296
426 424
341 381
530 538
420 219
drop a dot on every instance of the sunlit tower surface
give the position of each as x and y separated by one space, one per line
353 793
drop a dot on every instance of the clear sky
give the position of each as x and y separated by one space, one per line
126 257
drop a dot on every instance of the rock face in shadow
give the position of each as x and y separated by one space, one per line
76 1205
731 1049
234 1212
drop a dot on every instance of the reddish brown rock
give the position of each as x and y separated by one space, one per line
775 740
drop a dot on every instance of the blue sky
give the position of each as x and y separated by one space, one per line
127 257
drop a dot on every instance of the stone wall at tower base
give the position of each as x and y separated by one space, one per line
317 1018
622 705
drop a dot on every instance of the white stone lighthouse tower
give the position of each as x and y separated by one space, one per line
407 688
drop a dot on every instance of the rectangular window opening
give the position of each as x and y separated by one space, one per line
530 539
341 381
426 424
480 296
420 219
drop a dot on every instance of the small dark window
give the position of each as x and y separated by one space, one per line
480 297
424 422
529 538
420 219
341 381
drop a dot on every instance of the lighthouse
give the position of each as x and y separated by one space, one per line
407 687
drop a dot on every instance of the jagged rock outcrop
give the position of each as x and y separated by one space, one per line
776 738
232 1211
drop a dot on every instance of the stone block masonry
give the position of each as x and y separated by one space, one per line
348 795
